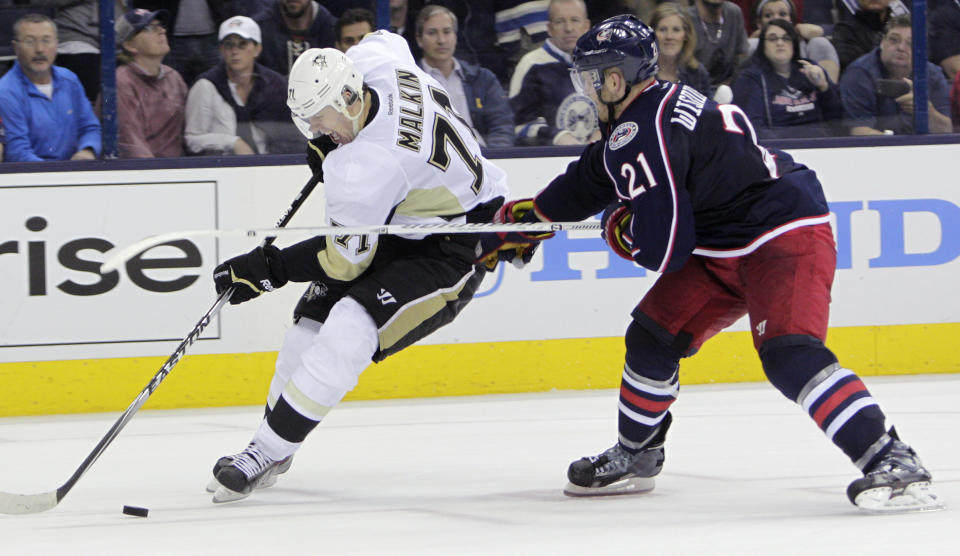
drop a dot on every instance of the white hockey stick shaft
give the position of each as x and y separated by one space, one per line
122 255
33 503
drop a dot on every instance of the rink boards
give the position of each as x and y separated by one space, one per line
73 340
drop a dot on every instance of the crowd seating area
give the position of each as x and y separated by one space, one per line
207 78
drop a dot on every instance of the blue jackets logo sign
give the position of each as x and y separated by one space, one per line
623 134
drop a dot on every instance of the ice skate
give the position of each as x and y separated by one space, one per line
266 482
246 471
897 483
617 471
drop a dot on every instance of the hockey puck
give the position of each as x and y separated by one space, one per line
135 510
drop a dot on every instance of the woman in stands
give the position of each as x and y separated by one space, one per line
678 42
813 44
783 94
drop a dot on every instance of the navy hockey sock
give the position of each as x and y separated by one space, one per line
647 389
836 399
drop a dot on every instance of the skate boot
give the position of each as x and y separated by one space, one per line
897 483
617 471
246 471
267 482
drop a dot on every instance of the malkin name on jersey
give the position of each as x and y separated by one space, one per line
688 108
410 132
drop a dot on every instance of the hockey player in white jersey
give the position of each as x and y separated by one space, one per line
393 151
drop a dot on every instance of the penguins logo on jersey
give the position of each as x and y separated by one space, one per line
623 134
578 115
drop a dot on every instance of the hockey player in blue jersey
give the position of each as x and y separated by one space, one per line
736 229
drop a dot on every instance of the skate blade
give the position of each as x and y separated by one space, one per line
213 485
916 497
224 495
633 485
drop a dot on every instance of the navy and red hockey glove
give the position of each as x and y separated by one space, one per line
515 247
251 274
616 229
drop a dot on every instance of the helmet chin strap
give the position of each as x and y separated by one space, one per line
611 105
355 120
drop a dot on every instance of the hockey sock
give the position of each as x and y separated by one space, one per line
648 387
835 398
289 424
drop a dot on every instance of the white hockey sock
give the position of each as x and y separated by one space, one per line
271 445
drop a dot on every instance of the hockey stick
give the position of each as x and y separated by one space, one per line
35 503
124 254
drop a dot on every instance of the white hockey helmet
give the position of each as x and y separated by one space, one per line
319 77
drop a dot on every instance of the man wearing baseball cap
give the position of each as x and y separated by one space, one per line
237 107
150 95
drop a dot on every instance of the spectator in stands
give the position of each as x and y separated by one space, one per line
78 24
944 23
547 110
338 7
45 113
599 10
678 42
869 111
721 38
860 26
783 94
403 16
818 12
813 45
238 106
475 94
352 26
193 35
955 103
151 96
289 28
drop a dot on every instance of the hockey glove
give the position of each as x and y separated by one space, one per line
616 229
251 274
515 247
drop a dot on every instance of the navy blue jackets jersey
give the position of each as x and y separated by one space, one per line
694 176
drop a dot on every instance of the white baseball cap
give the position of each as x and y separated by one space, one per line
241 26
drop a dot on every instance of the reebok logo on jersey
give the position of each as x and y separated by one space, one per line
267 286
385 297
761 327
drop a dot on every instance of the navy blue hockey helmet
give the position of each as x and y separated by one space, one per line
621 41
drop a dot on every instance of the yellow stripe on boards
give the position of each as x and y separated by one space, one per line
82 386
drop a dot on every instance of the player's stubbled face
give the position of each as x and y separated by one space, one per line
330 121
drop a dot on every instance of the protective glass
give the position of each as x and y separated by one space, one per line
585 82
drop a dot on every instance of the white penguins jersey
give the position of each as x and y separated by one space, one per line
415 162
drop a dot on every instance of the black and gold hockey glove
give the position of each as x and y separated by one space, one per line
251 274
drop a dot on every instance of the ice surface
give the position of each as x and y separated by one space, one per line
747 472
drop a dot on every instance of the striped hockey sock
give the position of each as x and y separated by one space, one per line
643 405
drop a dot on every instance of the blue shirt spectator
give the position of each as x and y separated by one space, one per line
870 112
45 112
